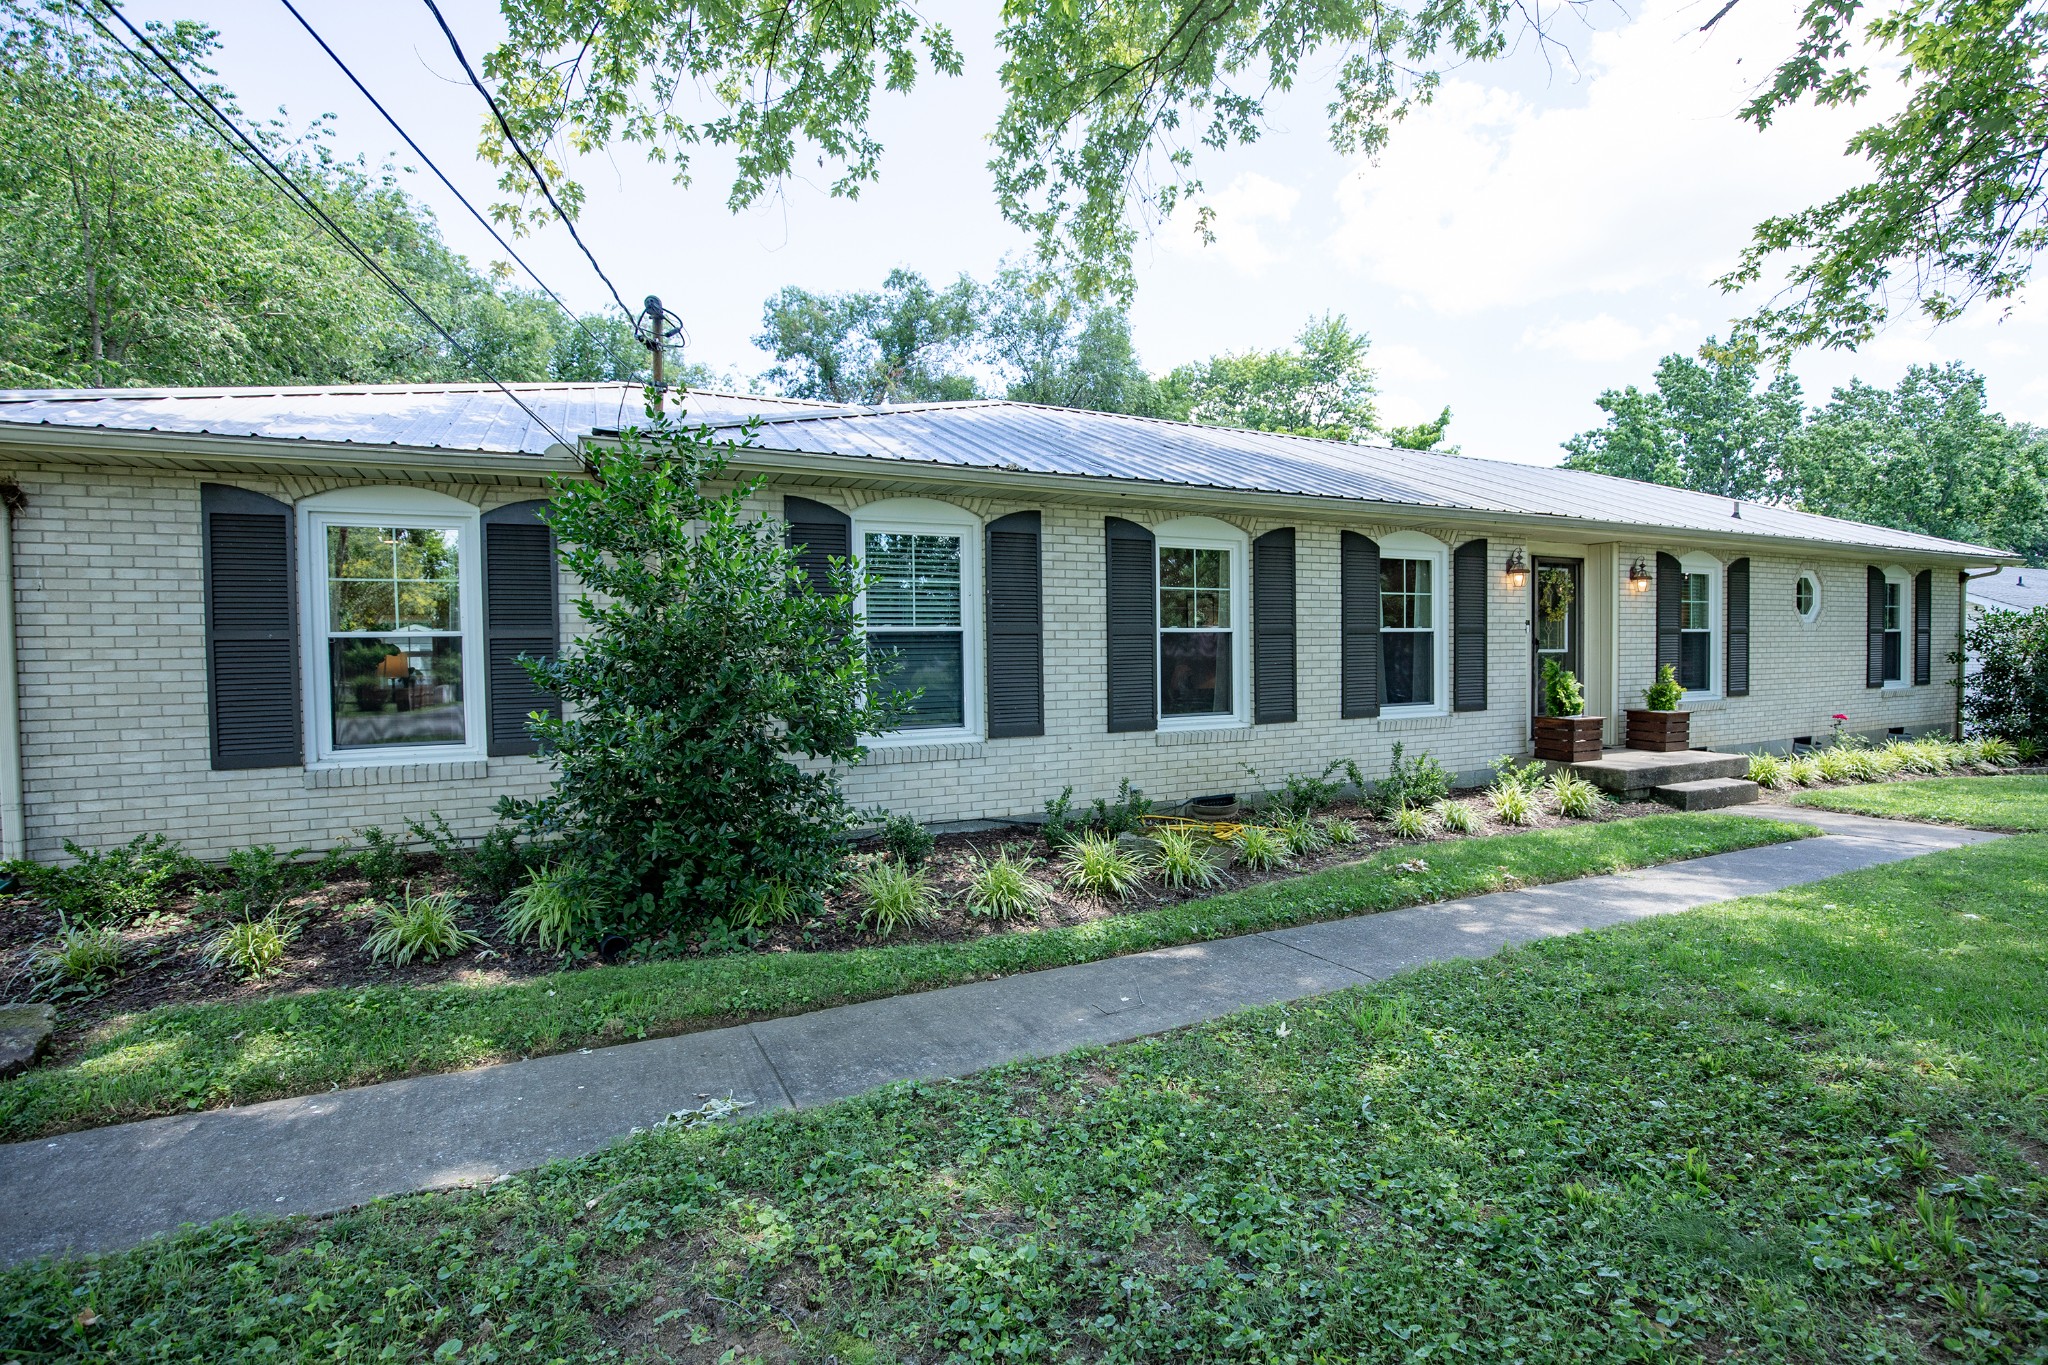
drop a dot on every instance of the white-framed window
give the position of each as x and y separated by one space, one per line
1897 593
1806 596
391 580
1699 626
922 612
1203 580
1414 631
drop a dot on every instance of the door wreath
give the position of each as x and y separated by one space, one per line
1554 593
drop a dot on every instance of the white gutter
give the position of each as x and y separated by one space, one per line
13 836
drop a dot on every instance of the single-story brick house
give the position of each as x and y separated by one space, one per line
278 615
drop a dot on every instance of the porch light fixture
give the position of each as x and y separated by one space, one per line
1639 577
1517 568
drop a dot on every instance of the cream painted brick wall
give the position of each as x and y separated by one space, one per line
113 681
112 648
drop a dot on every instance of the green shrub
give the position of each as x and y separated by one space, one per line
1339 831
79 956
1512 803
1573 796
2008 694
117 886
907 840
1261 849
1099 866
1530 776
1302 794
1455 816
423 928
1409 823
1767 770
1183 861
379 860
712 696
1664 694
1562 695
1061 827
558 905
253 948
1803 770
490 869
1002 887
258 880
893 897
1125 815
1418 782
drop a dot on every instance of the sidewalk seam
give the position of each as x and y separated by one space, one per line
773 1069
1272 936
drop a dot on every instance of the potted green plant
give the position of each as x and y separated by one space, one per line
1658 726
1564 733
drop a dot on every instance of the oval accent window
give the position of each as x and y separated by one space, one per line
1806 597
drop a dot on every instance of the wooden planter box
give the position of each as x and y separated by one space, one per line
1569 739
1659 732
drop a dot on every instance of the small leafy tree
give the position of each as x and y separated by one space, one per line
2008 694
710 698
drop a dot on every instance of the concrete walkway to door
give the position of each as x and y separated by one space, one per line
108 1188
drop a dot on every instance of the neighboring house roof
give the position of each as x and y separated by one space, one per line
988 437
2021 589
479 417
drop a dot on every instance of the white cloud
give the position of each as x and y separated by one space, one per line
1252 200
1404 363
1486 200
1606 338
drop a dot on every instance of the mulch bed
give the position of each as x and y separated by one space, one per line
163 956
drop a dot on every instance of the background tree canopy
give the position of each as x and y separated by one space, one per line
139 250
1108 103
1926 456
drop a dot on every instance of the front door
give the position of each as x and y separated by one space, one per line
1555 611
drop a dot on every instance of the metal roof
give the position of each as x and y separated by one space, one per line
986 436
1022 437
2021 589
469 417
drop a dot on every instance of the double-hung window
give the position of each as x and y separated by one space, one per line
1413 639
1894 627
1699 625
1202 567
921 611
393 624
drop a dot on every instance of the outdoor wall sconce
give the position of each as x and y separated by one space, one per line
1639 577
1517 569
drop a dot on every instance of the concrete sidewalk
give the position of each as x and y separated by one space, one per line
108 1188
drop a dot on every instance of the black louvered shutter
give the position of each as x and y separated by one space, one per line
1738 628
1468 627
1273 627
1873 620
522 616
1133 612
1358 591
1016 626
819 534
252 638
1670 589
1923 628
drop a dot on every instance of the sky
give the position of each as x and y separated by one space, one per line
1543 231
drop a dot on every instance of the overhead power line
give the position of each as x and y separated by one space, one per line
505 127
398 128
252 151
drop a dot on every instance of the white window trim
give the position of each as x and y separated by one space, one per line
1416 545
925 516
1813 576
1207 533
1716 647
1896 576
382 506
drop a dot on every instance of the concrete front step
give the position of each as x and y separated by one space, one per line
1633 773
1710 793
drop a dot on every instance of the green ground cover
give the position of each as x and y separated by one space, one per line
201 1056
1805 1126
2013 803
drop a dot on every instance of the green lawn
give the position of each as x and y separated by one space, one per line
188 1057
2016 803
1808 1126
